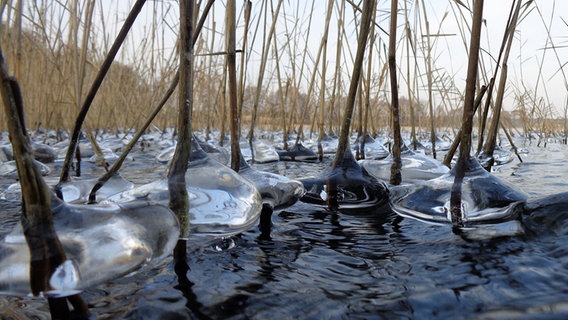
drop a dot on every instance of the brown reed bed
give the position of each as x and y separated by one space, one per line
285 81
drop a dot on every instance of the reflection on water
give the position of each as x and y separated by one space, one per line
315 264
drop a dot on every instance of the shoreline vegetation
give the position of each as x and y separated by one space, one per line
53 50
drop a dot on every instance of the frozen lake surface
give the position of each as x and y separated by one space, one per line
316 264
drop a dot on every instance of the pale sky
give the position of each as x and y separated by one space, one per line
530 50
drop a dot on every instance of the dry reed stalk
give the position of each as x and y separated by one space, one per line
357 8
430 82
265 50
294 117
230 34
468 113
245 52
343 144
51 62
118 163
337 73
417 71
359 105
209 84
323 72
46 251
561 64
492 138
221 101
307 102
511 142
484 113
396 176
92 92
179 201
379 97
18 55
81 64
282 95
458 136
408 37
367 104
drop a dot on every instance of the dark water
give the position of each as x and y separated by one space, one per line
314 264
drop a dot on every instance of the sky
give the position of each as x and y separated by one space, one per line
532 57
533 66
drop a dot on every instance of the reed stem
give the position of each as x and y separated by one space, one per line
232 77
93 91
179 200
490 144
467 119
46 251
323 72
265 51
430 81
343 144
168 93
396 176
248 8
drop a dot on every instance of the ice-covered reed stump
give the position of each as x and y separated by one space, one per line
345 185
101 243
490 206
221 202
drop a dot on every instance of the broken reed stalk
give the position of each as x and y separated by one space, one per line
93 91
511 142
99 155
230 34
491 142
179 200
396 176
343 144
468 113
118 163
46 251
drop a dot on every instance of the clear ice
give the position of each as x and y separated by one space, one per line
221 202
101 243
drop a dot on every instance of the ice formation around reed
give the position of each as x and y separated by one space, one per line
101 242
486 201
346 186
276 191
221 202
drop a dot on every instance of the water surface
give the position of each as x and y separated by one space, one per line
315 264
